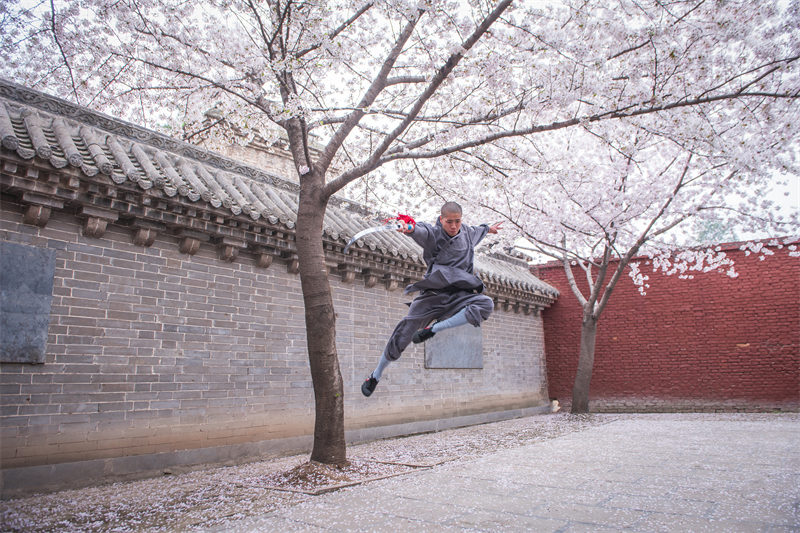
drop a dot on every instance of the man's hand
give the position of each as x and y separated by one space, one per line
408 225
494 228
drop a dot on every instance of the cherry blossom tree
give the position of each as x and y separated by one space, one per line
581 122
675 113
375 78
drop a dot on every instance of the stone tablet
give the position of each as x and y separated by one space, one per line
460 347
26 291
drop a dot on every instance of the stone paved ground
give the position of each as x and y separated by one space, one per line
671 472
637 473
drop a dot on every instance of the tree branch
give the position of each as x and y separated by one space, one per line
643 238
61 51
375 160
372 92
557 125
573 285
343 26
397 80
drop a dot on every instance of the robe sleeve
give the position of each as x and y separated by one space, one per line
423 235
477 233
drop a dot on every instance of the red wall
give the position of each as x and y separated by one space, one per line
712 342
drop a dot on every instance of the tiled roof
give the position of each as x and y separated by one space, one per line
48 130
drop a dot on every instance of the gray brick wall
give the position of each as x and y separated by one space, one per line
151 351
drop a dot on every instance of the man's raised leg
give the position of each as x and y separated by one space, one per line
474 313
458 319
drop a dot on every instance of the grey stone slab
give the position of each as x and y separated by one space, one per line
340 515
590 514
581 527
505 521
418 508
670 523
658 502
26 292
460 347
570 495
781 510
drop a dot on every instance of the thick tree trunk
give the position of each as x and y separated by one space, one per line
329 443
583 377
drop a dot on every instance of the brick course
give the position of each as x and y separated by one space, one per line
707 343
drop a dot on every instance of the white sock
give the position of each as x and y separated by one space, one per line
458 319
382 364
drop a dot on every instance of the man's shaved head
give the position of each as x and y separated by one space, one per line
451 208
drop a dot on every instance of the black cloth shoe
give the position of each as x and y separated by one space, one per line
368 387
421 335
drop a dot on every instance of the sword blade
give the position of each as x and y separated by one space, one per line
364 233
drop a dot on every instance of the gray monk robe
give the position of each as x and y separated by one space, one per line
448 286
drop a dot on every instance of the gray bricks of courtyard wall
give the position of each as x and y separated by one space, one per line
176 333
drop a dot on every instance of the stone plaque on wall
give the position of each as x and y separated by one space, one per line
460 347
26 290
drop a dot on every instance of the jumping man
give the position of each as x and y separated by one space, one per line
449 291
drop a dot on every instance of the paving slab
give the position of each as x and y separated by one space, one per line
642 474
